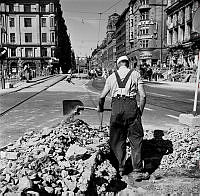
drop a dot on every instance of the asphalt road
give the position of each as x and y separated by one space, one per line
45 109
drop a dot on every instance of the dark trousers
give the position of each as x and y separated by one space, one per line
126 123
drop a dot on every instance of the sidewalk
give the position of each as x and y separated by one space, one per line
23 84
174 85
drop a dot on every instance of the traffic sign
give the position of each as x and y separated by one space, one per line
3 52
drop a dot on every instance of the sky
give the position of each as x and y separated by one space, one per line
82 20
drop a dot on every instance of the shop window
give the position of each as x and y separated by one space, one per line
44 52
28 52
13 52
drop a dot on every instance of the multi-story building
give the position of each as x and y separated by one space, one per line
28 32
121 34
147 32
111 41
180 40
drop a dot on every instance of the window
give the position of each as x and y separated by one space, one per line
28 37
144 31
13 52
44 51
27 8
28 52
11 8
12 22
52 52
52 37
52 22
131 35
1 20
51 7
145 15
12 37
44 22
144 43
43 8
131 22
44 37
144 2
27 22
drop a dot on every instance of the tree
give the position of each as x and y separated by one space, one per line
63 51
73 61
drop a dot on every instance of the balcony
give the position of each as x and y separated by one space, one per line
189 18
175 23
144 37
145 22
181 20
170 25
144 6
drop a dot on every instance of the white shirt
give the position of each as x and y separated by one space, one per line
131 87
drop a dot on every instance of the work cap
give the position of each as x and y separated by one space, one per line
122 58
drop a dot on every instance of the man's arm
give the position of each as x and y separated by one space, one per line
142 94
103 95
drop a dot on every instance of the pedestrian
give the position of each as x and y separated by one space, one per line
123 86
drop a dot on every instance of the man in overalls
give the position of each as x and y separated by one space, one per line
123 86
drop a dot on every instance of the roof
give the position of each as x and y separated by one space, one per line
123 15
115 14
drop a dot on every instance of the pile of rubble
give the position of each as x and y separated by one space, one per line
54 161
71 159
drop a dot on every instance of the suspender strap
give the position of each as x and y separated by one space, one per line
127 77
121 83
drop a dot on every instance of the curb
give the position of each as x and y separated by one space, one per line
21 102
34 83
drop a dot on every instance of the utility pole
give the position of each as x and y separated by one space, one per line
161 43
40 39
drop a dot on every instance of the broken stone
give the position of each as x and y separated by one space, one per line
74 151
49 190
11 155
25 183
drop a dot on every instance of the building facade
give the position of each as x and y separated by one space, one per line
28 32
147 32
182 43
120 34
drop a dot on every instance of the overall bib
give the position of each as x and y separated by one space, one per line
126 123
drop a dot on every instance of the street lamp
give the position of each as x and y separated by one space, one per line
2 57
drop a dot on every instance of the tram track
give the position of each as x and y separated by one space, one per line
177 105
10 108
31 85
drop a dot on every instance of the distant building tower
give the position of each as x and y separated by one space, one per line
111 28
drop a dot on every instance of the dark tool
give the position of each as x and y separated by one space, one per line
75 107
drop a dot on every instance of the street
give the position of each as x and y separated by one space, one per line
45 109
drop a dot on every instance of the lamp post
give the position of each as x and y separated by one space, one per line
2 56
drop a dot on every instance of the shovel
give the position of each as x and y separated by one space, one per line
75 107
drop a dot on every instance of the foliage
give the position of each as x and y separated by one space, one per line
63 51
